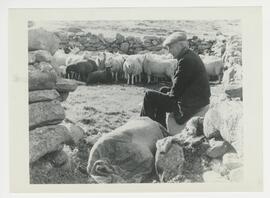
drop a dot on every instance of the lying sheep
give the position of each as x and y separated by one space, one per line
81 69
104 76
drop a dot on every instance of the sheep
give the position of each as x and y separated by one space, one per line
103 76
81 70
159 66
214 66
133 66
115 62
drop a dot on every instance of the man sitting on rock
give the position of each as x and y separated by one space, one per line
190 90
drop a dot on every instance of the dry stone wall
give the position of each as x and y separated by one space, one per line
135 45
47 131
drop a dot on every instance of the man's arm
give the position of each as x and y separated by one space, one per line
182 77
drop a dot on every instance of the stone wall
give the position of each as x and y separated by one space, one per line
47 132
134 45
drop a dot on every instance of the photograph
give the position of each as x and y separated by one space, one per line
135 101
127 100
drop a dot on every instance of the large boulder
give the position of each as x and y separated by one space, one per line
43 95
45 113
66 85
45 140
40 39
169 160
38 80
126 155
226 120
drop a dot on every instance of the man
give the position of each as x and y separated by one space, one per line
190 90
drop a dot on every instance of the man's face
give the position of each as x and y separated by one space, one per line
175 48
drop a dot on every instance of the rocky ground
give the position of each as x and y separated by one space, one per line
100 109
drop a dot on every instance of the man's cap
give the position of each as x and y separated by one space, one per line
175 37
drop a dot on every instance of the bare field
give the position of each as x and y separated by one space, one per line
202 28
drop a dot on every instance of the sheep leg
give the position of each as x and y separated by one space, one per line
148 79
128 79
116 76
220 78
140 78
132 79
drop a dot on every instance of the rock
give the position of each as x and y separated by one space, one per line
57 158
43 95
236 175
76 133
45 113
174 128
194 126
232 161
169 159
234 90
40 39
92 139
217 148
74 29
63 96
155 42
46 140
226 120
119 38
46 67
217 166
126 155
228 75
213 177
150 38
124 47
31 58
66 85
39 80
42 56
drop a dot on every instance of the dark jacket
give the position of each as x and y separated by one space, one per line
190 83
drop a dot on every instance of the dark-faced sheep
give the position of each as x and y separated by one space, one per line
82 69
